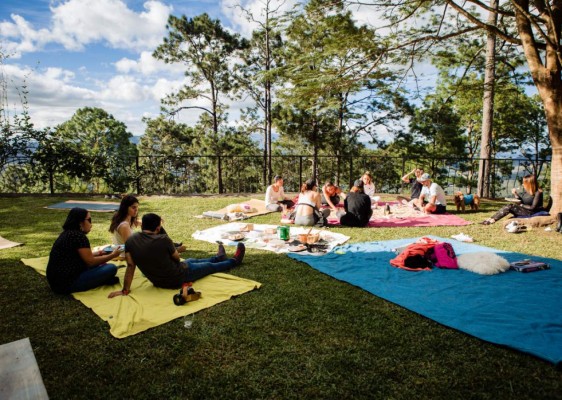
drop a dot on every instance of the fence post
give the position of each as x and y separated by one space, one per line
403 172
300 174
51 181
137 166
351 180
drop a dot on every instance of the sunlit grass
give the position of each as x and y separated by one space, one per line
302 335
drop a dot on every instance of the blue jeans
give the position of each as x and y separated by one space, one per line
94 277
197 268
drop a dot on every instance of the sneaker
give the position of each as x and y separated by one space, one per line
239 255
221 253
559 223
114 280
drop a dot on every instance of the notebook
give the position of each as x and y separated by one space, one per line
528 266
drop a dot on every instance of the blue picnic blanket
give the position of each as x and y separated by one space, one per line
88 205
514 309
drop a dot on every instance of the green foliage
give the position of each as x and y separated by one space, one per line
205 48
337 87
16 129
103 143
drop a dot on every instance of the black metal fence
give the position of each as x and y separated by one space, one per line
194 174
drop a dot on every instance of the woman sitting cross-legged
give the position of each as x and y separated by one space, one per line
275 196
307 210
357 207
531 201
72 266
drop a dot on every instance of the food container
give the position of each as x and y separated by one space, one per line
235 236
284 232
308 238
247 228
270 231
312 238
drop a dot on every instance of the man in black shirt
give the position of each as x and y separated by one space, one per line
159 260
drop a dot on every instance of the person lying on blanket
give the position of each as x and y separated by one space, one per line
73 267
159 260
432 198
275 196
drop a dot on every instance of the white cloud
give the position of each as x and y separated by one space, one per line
123 87
77 23
20 37
147 65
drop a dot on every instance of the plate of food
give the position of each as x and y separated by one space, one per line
297 248
109 249
513 200
234 236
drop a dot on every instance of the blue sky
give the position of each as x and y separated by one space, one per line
97 53
77 53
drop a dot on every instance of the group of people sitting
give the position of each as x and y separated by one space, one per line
312 207
75 267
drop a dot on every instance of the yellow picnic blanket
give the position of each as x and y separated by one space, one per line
147 306
234 212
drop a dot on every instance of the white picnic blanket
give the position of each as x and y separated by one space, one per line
261 237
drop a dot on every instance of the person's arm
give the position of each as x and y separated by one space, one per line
537 201
327 197
317 200
92 260
129 274
406 178
341 194
282 194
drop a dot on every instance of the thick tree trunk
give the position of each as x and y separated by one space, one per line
546 74
488 107
553 110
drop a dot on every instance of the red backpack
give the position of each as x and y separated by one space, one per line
414 257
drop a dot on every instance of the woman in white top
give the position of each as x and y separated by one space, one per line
124 219
368 185
309 204
275 196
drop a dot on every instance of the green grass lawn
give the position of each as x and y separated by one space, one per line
303 335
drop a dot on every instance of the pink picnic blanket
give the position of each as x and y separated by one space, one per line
403 216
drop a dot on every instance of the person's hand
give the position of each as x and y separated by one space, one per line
115 294
116 252
514 191
181 249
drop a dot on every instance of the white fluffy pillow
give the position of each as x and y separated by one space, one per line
483 262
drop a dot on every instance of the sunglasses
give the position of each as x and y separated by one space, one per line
89 220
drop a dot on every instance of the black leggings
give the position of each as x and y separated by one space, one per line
514 209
